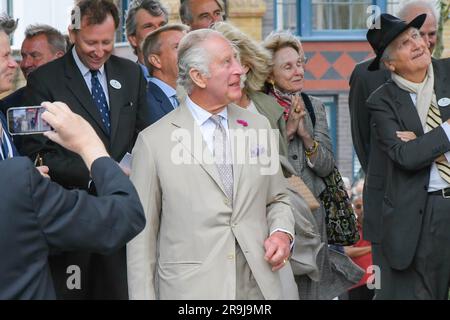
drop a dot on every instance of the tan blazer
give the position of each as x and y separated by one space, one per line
187 250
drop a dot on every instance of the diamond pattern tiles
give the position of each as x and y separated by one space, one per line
330 64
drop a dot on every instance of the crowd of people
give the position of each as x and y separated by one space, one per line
218 124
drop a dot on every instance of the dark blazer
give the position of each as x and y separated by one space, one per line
15 99
373 161
105 277
158 103
408 164
61 80
37 215
5 128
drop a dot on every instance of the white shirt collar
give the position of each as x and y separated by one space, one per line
201 115
83 69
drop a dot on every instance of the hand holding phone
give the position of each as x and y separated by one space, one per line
26 120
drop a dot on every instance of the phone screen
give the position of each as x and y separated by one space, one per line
26 120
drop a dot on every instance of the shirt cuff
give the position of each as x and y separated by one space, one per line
282 230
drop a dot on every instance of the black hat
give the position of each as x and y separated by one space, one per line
390 27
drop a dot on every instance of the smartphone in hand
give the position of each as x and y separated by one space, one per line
26 120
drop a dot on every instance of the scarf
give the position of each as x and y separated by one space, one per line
424 92
284 99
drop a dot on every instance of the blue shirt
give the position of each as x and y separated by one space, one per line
168 90
145 71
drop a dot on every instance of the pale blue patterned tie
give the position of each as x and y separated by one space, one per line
100 100
222 156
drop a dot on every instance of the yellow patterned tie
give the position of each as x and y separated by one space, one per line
434 120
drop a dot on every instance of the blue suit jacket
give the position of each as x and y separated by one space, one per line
15 99
37 215
3 120
158 102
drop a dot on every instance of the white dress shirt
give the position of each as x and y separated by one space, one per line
436 181
86 73
207 127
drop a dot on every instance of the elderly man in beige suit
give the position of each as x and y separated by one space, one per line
216 229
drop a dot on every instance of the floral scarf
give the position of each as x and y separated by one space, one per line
284 100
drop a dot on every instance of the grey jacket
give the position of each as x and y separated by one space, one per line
337 272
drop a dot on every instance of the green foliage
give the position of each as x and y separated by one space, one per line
444 10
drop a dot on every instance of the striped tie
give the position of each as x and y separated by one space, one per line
222 155
434 120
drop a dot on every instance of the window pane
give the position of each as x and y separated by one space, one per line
339 15
287 12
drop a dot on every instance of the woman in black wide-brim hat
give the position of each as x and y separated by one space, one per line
411 114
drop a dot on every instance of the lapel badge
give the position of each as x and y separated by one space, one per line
444 102
115 84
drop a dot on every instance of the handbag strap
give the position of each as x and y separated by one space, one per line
310 108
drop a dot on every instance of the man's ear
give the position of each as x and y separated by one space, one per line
59 54
198 78
154 60
72 34
132 40
389 65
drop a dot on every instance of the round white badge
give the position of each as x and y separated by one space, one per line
444 102
115 84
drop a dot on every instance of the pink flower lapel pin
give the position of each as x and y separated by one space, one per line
242 123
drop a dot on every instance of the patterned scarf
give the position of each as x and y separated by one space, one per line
284 100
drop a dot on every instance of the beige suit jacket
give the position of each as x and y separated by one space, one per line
187 250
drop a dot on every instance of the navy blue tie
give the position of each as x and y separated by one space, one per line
100 100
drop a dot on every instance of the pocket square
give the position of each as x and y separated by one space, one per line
257 151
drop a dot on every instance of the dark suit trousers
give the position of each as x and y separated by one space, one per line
428 277
103 277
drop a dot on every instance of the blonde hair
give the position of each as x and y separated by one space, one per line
252 55
282 39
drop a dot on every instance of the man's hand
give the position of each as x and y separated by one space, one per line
43 170
277 249
406 136
73 132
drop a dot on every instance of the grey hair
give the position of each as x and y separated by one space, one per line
192 55
388 52
418 4
186 13
152 43
7 24
56 39
153 7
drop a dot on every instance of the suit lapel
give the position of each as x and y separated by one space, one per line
233 126
164 103
441 89
116 95
407 112
184 120
79 89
